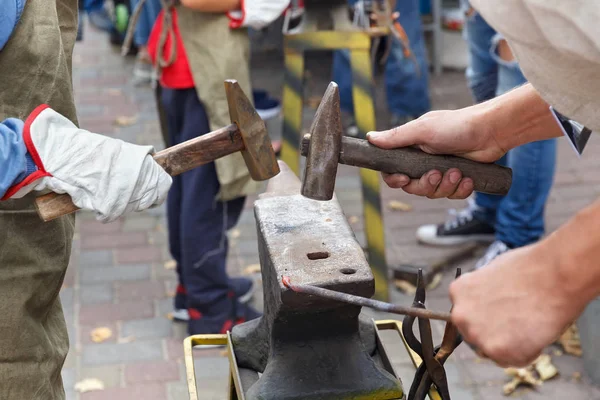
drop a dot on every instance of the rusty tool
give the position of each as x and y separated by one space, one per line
431 371
365 302
325 147
247 133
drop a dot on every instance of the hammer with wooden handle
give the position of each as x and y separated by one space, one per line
326 146
247 133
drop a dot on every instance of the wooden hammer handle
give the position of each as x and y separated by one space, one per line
175 160
487 178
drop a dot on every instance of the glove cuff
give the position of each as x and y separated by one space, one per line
34 162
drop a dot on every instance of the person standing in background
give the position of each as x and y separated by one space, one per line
209 42
406 78
517 219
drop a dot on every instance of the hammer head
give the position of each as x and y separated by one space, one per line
324 148
258 152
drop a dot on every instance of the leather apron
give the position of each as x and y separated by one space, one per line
35 68
216 53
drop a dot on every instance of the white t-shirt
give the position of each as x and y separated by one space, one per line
557 44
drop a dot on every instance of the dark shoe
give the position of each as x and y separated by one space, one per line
242 288
266 106
219 323
462 227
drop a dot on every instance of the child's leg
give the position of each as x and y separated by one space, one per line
203 223
174 118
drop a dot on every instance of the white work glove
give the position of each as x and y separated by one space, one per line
105 175
257 14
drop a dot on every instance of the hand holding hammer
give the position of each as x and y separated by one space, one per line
247 133
326 146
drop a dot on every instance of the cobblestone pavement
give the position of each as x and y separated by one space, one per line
117 278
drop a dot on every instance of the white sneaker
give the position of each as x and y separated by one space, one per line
180 314
495 249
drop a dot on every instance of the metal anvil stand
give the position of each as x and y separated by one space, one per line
305 347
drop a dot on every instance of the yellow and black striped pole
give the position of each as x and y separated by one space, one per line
359 44
292 107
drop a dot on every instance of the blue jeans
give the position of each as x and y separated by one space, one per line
147 18
519 216
407 87
93 5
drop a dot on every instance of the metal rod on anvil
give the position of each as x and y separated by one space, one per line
361 301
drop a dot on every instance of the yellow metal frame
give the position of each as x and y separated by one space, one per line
235 386
359 45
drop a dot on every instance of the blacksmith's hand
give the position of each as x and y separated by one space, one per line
105 175
515 306
483 132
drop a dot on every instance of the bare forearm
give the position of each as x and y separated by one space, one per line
212 5
518 117
576 248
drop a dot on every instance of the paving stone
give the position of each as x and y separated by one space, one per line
159 371
96 228
96 258
210 367
141 290
154 391
69 378
110 375
163 306
483 372
140 223
114 240
102 313
179 390
94 275
136 255
212 389
147 328
174 349
67 299
109 353
96 293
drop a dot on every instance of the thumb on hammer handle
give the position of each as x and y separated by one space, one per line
174 160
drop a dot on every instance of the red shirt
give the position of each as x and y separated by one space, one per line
178 75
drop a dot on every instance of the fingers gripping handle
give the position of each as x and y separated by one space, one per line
175 160
487 178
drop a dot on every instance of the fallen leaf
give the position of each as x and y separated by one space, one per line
396 205
557 353
125 120
170 293
353 219
435 281
171 264
405 286
126 339
101 334
170 316
251 269
521 376
234 233
570 341
89 385
576 376
224 353
544 367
